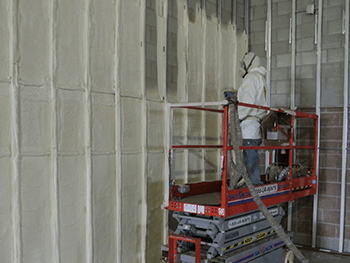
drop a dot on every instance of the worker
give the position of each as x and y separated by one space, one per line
253 90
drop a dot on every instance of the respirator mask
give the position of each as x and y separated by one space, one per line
243 71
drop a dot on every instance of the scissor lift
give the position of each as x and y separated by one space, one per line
207 225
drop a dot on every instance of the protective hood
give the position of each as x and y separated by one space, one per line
259 69
249 61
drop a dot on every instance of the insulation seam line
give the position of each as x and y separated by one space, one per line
219 68
246 17
318 112
88 140
15 139
269 39
82 89
162 52
234 50
186 40
118 139
293 57
162 34
165 108
54 138
144 218
345 129
101 153
203 114
234 13
167 122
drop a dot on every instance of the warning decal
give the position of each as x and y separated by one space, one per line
190 208
239 222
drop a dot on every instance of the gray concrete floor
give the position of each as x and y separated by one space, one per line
321 257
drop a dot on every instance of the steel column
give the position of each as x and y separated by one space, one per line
318 112
268 50
292 70
225 148
345 128
292 92
268 64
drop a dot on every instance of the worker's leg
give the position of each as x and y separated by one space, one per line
252 160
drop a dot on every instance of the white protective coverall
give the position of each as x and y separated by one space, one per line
253 90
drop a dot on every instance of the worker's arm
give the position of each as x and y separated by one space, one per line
247 94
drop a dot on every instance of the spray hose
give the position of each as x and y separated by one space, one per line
239 169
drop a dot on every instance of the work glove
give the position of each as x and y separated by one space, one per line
230 95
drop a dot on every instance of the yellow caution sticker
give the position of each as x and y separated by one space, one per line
261 235
249 240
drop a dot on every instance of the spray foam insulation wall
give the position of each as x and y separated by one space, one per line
82 134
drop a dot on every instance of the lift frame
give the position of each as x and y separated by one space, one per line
239 201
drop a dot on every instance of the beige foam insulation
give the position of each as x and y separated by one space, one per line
228 46
70 43
4 41
4 120
195 53
5 208
194 166
155 166
71 206
179 137
182 51
155 126
35 208
211 60
212 169
131 125
102 45
195 84
82 148
103 125
71 121
242 47
131 46
35 127
104 204
162 47
33 30
131 216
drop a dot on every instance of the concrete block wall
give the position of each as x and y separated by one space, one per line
281 58
329 184
332 83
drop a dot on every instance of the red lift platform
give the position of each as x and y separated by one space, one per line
237 201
